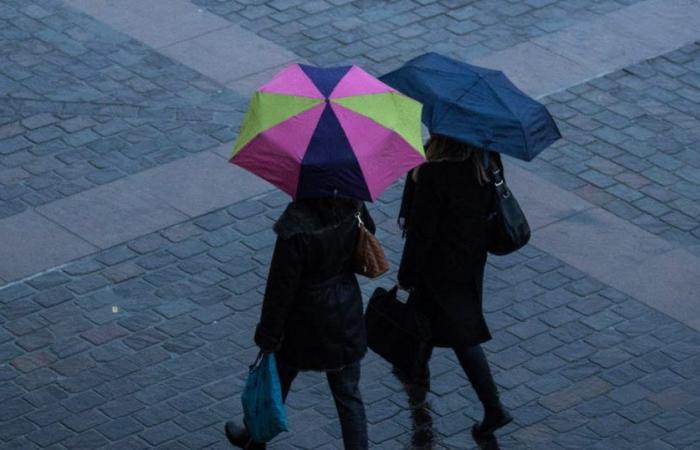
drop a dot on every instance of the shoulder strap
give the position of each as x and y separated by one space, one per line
492 170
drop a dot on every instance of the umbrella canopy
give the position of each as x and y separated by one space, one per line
475 105
321 132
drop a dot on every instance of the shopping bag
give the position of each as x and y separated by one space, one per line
263 410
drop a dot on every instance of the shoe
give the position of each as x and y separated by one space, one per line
485 429
238 436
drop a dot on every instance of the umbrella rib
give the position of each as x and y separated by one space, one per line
520 122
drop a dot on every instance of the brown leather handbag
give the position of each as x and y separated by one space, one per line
368 258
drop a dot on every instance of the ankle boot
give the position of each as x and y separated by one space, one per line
238 436
495 417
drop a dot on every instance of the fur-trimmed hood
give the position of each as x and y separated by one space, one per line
315 216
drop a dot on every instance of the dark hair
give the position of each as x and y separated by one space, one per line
332 209
443 148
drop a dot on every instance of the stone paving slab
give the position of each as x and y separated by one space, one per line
198 184
616 39
31 243
520 63
231 61
199 39
156 23
82 105
611 41
380 35
111 214
544 204
642 265
580 364
631 145
128 208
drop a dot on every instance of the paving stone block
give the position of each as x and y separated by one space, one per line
120 428
49 435
104 333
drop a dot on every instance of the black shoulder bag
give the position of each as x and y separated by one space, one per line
398 332
508 229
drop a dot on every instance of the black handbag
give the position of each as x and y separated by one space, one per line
508 229
398 332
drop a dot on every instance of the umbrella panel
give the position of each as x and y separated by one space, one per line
276 153
330 166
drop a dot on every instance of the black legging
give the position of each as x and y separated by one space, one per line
476 367
344 386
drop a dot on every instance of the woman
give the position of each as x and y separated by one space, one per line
312 309
444 214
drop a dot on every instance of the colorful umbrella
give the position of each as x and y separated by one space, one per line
475 105
320 132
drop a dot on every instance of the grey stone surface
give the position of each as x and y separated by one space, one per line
32 243
224 62
197 184
581 364
380 35
98 215
159 357
86 105
630 140
156 23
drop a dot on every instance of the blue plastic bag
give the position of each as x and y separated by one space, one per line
263 410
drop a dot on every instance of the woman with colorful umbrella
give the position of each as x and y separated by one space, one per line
448 200
331 138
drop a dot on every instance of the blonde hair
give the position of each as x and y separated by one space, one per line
443 148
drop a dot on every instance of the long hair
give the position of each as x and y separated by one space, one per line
443 148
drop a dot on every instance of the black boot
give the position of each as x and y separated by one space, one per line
238 436
495 417
476 367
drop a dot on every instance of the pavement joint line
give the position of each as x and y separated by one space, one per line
35 275
163 47
68 230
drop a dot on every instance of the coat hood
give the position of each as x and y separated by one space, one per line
315 216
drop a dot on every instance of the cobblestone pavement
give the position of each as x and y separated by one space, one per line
82 105
147 344
631 144
381 34
580 364
631 137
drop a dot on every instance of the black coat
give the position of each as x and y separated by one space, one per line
312 310
445 252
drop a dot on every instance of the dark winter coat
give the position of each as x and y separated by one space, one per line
445 252
312 310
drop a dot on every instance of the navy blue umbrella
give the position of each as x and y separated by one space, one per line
475 105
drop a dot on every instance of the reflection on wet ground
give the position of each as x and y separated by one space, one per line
422 422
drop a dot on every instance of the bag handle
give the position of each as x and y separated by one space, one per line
258 360
496 176
358 216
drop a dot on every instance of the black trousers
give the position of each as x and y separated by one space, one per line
476 367
344 384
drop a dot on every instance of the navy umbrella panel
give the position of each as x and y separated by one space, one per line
475 105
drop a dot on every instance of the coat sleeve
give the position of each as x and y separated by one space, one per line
406 202
423 226
282 284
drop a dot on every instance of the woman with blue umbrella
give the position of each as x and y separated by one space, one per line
473 115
